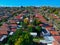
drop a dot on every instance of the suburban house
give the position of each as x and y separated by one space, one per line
45 32
57 40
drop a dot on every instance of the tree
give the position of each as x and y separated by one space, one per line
19 41
14 37
26 20
38 29
24 39
36 21
56 12
4 20
0 24
30 27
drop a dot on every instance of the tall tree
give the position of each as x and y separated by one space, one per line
24 39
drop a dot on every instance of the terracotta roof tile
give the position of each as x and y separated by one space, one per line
54 16
49 28
18 16
57 38
40 24
2 32
12 21
13 30
41 18
13 25
54 33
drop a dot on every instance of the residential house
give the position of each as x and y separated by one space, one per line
54 33
57 40
12 21
45 32
48 40
3 34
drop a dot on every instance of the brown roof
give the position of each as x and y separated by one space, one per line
41 18
2 32
4 24
13 25
54 16
17 17
12 21
25 11
13 30
54 33
5 29
40 24
5 16
58 19
48 28
57 38
50 24
55 43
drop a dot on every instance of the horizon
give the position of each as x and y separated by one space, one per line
25 3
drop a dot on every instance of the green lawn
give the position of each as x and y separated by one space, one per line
37 39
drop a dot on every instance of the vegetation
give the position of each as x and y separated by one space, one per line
37 39
22 36
24 39
14 37
26 21
0 24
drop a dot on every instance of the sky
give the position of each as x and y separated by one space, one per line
16 3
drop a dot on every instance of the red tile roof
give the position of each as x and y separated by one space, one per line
58 19
2 32
13 25
51 24
41 18
25 11
19 16
4 28
38 16
57 38
54 32
55 43
41 25
13 30
0 17
5 16
54 16
4 24
48 28
12 21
